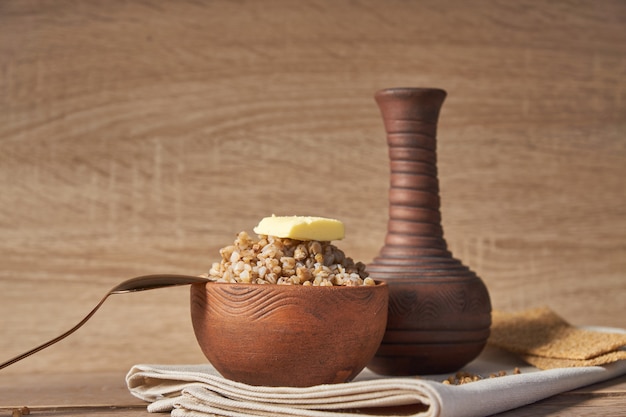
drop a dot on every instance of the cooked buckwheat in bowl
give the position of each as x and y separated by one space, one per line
289 308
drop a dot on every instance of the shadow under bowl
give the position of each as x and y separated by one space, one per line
288 335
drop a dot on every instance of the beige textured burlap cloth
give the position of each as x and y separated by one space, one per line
199 391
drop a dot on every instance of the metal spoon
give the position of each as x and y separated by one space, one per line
142 283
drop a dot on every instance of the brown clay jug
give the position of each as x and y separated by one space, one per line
439 310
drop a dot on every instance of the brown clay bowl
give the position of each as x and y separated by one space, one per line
288 335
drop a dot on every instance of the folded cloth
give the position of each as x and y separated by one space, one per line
199 391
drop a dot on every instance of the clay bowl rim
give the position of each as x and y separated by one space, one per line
379 283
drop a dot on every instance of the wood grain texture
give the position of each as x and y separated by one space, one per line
138 137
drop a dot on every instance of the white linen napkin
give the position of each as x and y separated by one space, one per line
199 391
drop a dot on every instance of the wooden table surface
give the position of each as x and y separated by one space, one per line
139 137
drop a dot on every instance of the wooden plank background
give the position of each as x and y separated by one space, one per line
138 137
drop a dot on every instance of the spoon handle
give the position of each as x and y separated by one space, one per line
56 339
142 283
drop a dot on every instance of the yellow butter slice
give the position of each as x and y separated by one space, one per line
301 228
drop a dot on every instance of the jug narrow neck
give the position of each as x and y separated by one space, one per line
410 117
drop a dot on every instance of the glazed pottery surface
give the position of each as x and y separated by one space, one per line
439 310
288 335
